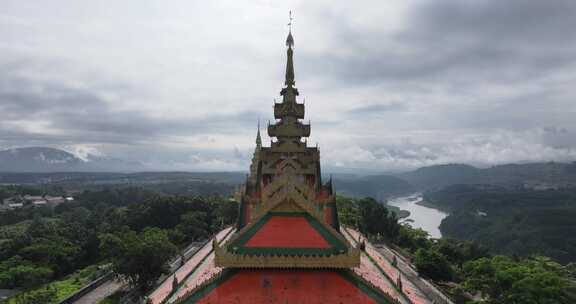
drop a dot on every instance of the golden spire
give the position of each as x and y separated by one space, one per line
290 39
290 64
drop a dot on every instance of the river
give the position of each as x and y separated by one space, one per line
427 218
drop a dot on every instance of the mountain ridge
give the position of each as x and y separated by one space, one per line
47 159
553 174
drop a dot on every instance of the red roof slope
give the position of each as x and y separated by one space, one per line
285 286
287 232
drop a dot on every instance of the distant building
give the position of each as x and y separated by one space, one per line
15 205
12 203
32 198
39 202
55 199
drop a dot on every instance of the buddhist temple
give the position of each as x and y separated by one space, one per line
287 245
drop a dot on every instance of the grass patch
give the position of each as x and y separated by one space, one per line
63 288
67 287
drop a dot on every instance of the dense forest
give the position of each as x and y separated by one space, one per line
120 227
511 221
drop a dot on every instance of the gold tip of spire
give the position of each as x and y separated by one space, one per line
290 39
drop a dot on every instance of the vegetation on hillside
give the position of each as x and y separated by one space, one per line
379 187
128 227
509 175
511 221
464 268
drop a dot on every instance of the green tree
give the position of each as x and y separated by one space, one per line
502 280
139 257
226 212
374 216
194 225
348 213
412 238
458 252
432 264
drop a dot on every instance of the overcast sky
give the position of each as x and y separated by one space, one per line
389 85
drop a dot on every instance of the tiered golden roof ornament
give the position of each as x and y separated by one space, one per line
288 217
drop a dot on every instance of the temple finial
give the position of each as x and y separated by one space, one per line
290 39
290 64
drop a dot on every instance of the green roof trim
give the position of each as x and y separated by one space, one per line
336 245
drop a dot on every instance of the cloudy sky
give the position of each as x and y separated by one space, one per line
389 85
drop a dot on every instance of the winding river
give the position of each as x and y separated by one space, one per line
427 218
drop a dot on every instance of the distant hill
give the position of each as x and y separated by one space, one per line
44 159
379 187
38 159
442 175
511 221
549 174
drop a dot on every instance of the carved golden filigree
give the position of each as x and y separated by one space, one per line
286 187
223 258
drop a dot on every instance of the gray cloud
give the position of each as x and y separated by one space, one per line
78 114
458 40
376 108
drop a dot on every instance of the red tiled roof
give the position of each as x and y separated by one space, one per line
287 232
277 286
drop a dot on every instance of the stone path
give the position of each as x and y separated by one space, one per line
101 292
371 273
412 275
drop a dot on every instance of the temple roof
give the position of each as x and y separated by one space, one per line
288 233
375 280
